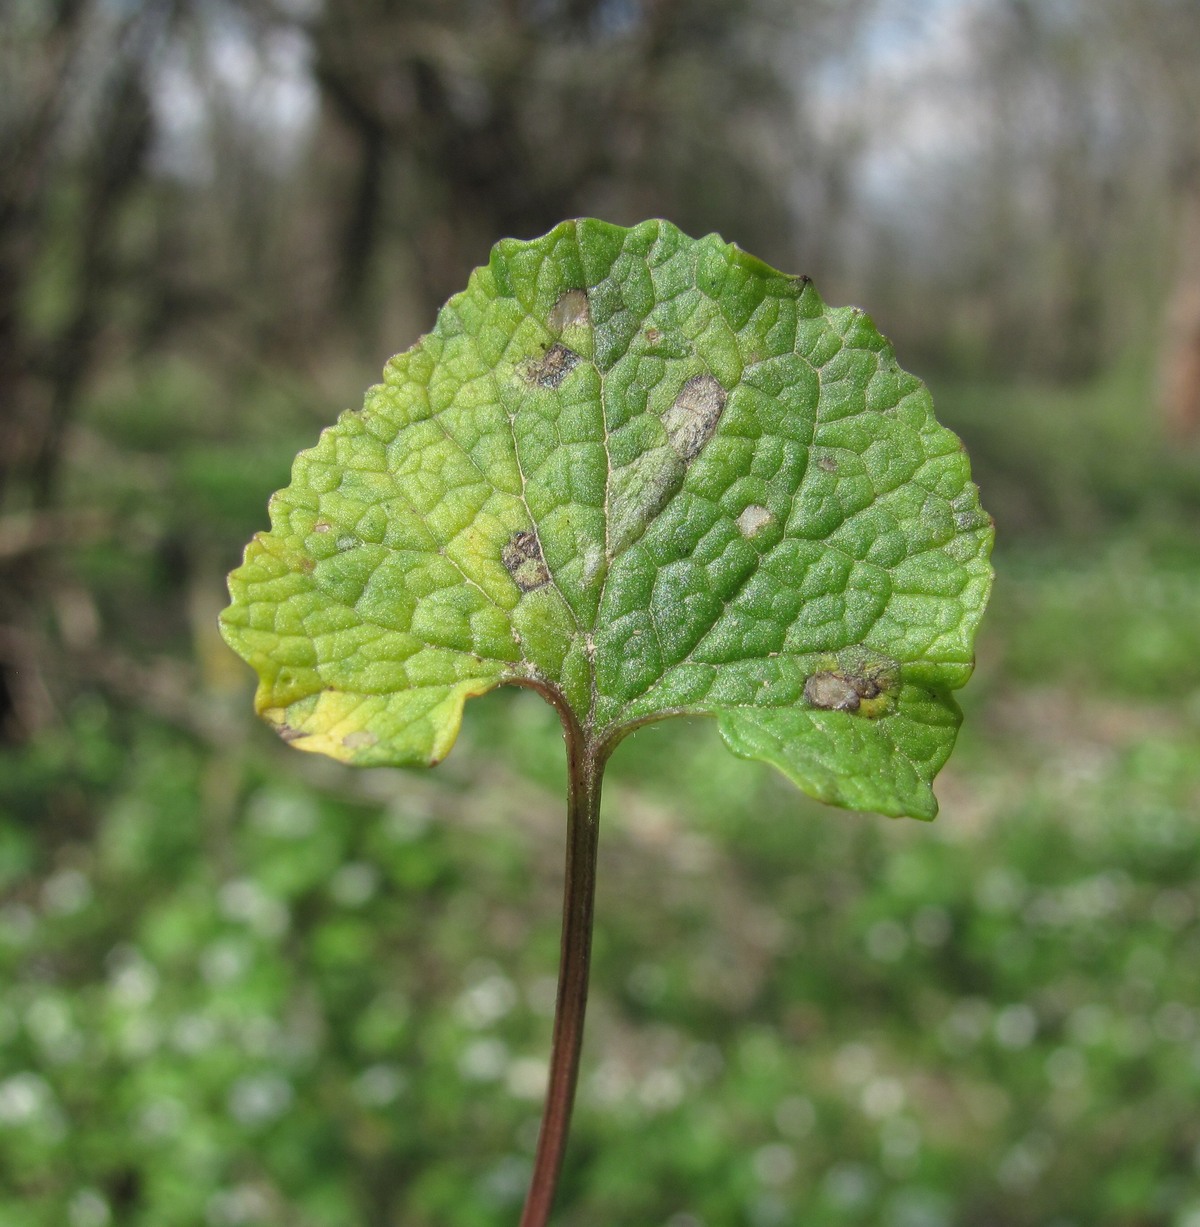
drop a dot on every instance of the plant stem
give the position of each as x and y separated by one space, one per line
585 770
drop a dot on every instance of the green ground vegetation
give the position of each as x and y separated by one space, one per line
247 986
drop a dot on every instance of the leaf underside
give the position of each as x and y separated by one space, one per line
655 475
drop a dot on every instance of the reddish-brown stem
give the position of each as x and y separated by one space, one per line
585 769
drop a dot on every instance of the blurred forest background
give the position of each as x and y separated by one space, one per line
241 986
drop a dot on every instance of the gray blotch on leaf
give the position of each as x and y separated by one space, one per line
753 520
832 691
522 556
968 521
639 491
571 309
554 366
692 418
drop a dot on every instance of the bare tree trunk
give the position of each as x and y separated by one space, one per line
43 369
1179 365
114 169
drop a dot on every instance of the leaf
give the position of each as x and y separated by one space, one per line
655 476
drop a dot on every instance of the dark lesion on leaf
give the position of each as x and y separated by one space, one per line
861 687
693 416
287 733
553 367
522 556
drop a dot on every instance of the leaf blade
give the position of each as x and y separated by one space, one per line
656 475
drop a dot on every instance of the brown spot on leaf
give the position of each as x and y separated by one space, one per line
522 555
571 309
833 691
691 420
321 527
828 463
287 733
360 739
555 365
652 335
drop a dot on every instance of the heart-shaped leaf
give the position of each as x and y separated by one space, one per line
651 476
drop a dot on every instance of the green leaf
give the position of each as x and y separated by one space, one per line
655 476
